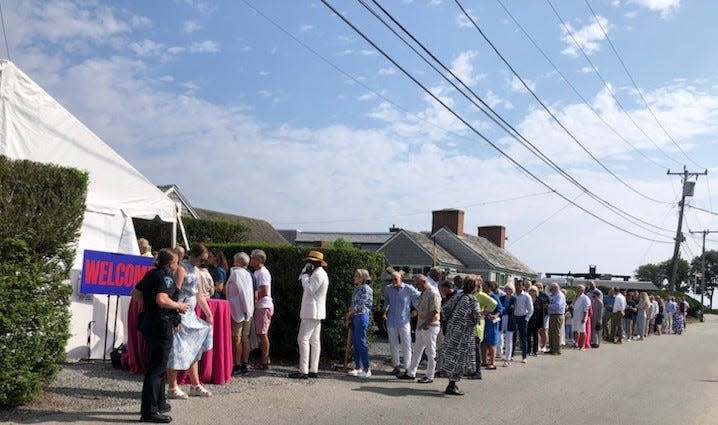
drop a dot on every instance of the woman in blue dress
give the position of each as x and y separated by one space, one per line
491 327
193 336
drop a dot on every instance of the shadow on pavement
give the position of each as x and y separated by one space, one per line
400 392
40 416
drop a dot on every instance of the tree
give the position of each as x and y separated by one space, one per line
657 272
651 273
340 243
711 272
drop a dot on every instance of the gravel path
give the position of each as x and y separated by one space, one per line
90 386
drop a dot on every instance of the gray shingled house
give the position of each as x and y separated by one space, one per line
448 247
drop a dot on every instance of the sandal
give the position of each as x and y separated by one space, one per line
199 391
177 393
491 367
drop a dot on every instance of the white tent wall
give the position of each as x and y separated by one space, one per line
34 126
99 232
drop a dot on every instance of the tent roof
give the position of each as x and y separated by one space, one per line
34 126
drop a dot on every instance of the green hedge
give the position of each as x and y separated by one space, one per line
285 263
41 208
159 233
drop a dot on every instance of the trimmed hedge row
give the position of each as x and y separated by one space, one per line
41 209
285 263
159 233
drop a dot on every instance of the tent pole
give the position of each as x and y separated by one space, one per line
107 328
184 234
173 243
114 328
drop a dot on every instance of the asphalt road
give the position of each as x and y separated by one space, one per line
663 380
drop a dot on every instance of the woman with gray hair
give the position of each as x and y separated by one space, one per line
357 319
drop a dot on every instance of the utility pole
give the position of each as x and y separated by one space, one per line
703 265
688 187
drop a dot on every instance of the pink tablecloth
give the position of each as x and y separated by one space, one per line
215 366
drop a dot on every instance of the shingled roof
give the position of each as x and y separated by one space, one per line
497 256
259 231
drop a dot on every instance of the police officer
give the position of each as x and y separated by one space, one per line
159 295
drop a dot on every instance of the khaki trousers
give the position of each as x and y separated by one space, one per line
555 323
617 326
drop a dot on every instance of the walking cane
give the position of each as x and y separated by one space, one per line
346 349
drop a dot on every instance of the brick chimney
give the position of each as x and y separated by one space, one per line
495 234
451 218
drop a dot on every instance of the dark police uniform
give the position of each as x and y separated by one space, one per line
156 326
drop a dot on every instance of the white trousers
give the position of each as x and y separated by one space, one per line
400 337
508 345
309 331
425 340
667 323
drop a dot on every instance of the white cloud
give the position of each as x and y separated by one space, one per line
366 96
586 69
147 48
463 22
175 50
140 22
306 28
517 86
587 37
191 26
263 73
494 100
666 7
265 93
206 46
366 52
386 71
463 68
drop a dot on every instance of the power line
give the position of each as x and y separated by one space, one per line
495 117
546 108
351 77
421 212
702 209
605 83
575 90
4 34
640 92
473 129
542 222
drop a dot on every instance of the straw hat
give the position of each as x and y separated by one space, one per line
316 256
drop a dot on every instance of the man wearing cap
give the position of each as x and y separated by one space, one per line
314 299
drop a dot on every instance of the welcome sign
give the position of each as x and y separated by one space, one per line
112 274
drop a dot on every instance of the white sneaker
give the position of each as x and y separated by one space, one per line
363 374
199 391
177 394
354 372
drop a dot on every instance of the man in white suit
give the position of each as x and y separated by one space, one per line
315 282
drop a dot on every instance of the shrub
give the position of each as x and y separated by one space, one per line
159 233
41 208
285 263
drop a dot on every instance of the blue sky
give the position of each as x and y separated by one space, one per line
232 102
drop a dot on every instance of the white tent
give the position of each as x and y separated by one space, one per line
34 126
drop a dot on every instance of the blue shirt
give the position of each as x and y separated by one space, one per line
362 299
608 302
397 304
557 303
671 307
